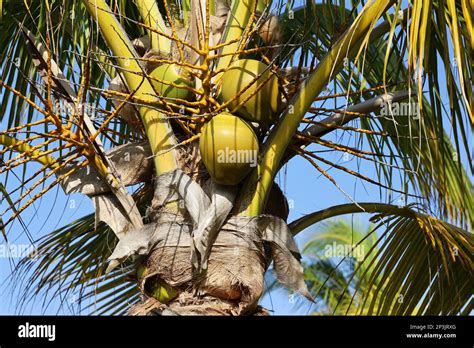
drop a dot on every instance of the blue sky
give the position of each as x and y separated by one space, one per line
306 190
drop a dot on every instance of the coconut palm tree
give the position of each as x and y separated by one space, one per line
174 117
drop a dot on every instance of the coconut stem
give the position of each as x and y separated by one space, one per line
22 147
158 130
152 17
238 18
259 184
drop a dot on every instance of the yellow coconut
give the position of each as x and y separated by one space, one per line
229 148
250 75
162 291
170 81
155 287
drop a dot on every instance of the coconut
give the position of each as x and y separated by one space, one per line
243 75
270 31
170 81
229 148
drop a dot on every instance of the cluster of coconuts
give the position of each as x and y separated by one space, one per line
228 144
250 90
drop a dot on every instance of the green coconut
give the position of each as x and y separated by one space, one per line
229 148
155 287
172 74
162 291
142 271
263 106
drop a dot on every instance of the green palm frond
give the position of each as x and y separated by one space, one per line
428 155
334 252
70 263
417 265
68 25
425 267
419 143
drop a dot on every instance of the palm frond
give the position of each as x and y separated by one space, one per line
425 267
333 252
430 155
69 29
417 265
70 263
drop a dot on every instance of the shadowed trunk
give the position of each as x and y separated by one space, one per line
228 279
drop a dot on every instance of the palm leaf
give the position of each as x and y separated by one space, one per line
418 264
72 260
70 263
430 158
329 271
435 278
